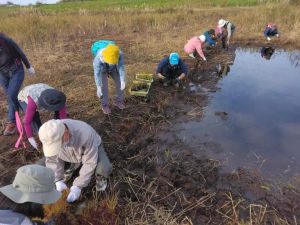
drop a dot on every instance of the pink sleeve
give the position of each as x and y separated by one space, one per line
63 113
29 114
199 50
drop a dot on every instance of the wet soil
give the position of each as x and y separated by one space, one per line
151 173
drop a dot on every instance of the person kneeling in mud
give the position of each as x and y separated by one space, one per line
210 38
172 70
271 31
78 143
23 200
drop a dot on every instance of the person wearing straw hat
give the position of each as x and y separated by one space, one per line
33 186
224 31
108 61
78 143
40 97
172 70
194 47
11 77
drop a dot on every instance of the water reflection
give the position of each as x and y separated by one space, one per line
267 52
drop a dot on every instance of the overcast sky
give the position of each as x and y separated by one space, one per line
26 2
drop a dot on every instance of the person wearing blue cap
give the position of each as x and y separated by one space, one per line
172 70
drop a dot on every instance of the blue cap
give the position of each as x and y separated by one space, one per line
174 58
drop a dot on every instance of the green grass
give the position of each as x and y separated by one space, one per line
75 5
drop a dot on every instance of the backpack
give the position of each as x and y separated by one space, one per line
96 46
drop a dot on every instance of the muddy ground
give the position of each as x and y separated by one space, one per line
159 181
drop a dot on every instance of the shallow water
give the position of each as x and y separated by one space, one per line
253 120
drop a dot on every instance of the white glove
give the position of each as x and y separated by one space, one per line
268 38
31 70
60 186
74 194
99 91
191 55
123 84
33 142
204 59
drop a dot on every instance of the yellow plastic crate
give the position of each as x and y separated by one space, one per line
147 77
143 91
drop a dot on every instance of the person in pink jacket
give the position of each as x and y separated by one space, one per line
194 46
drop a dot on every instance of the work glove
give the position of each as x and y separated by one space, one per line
33 143
123 84
161 76
204 59
99 91
31 70
74 194
60 186
192 55
268 38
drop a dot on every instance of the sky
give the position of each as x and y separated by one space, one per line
26 2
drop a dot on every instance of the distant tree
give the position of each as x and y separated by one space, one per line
9 3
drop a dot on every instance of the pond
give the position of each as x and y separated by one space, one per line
253 119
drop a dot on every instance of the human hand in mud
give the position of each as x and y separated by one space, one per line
161 76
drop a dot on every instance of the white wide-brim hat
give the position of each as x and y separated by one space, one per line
221 23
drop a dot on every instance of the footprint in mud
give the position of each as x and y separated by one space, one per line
222 115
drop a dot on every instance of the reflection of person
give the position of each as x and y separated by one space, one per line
210 37
40 97
194 47
271 30
78 143
23 200
109 61
12 76
223 69
267 52
172 70
224 31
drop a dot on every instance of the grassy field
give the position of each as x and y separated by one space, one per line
57 40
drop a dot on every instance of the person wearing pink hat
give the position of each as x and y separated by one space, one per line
194 46
224 31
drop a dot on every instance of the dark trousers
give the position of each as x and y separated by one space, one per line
270 32
11 81
170 74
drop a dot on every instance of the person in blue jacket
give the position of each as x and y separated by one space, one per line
210 37
172 70
108 61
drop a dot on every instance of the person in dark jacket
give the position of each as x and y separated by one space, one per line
271 31
172 70
210 37
12 76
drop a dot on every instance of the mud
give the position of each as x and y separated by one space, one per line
151 172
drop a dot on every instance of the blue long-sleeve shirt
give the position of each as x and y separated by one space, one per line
208 39
165 63
99 65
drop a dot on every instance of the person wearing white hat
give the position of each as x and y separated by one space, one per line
225 30
23 200
75 142
194 46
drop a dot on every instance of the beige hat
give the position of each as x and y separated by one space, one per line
202 38
51 134
221 23
32 183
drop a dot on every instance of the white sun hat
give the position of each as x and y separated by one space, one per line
221 23
202 38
